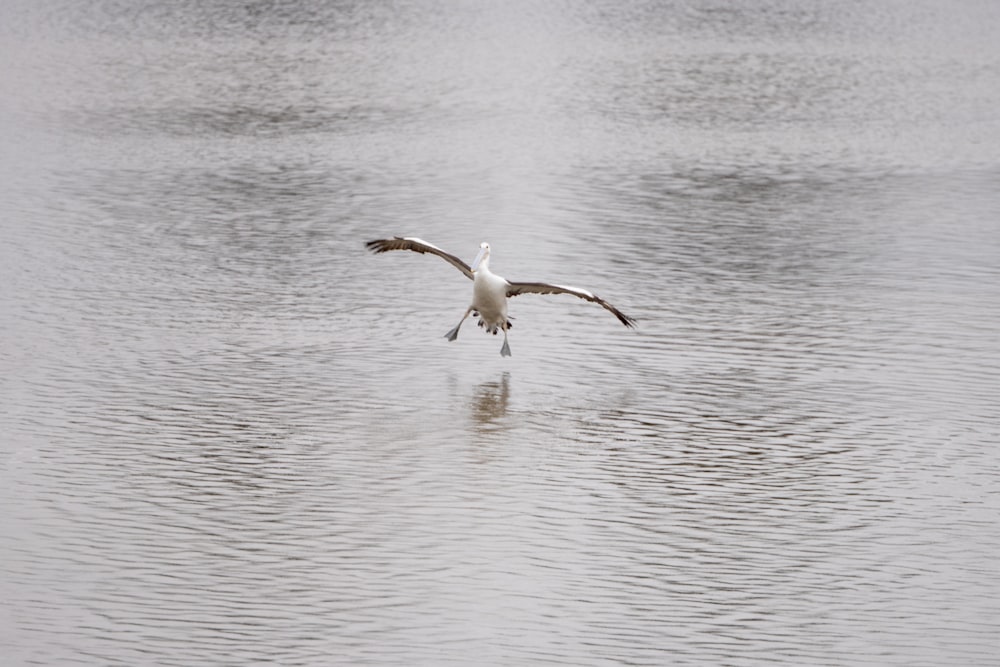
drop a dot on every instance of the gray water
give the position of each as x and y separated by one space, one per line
231 436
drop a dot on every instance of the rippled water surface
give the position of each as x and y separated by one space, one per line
230 436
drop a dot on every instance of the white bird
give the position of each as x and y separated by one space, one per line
490 291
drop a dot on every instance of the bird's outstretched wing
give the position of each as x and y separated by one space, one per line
545 288
421 246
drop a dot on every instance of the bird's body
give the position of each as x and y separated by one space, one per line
489 297
489 301
490 291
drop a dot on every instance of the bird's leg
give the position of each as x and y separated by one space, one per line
505 350
453 334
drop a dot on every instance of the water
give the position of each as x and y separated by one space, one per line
231 436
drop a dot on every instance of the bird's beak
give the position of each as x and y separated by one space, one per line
479 258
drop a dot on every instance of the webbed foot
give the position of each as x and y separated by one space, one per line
453 334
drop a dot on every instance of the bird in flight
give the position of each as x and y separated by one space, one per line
490 291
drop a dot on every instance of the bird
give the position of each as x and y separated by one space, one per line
490 291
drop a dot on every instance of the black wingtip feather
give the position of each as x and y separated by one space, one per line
380 245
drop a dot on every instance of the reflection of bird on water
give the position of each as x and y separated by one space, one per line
489 291
490 400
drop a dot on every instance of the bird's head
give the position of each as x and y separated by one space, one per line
483 258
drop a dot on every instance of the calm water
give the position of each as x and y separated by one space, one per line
230 436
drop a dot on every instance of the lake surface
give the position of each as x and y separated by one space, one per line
231 436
